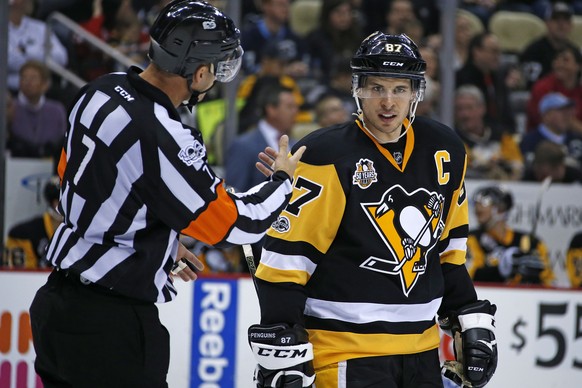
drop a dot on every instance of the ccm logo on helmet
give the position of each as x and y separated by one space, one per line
388 63
282 353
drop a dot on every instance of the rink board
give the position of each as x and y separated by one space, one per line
539 333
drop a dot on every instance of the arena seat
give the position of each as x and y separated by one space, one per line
576 35
304 16
515 30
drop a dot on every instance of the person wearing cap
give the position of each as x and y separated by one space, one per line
536 59
557 114
133 178
564 78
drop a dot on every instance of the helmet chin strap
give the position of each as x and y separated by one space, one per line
411 116
190 103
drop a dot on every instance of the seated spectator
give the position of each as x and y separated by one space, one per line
483 69
329 110
550 161
492 152
39 123
574 261
278 116
26 41
337 37
497 252
465 30
399 16
536 59
274 60
273 26
429 106
26 242
557 113
564 78
340 85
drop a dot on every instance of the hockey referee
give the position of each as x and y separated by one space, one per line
133 177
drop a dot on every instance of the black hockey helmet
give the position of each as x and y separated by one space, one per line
393 56
187 34
494 196
52 189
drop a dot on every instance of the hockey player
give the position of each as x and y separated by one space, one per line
372 247
26 242
498 252
133 178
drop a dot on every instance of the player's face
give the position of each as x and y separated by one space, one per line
483 212
386 106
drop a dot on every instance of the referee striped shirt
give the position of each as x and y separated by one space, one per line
133 178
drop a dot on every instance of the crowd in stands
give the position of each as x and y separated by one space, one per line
518 112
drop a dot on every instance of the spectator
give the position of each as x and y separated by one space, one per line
278 116
557 114
465 30
39 123
273 26
340 85
536 59
550 161
498 252
482 69
329 110
274 60
429 106
574 261
399 16
492 152
565 79
26 41
27 241
337 37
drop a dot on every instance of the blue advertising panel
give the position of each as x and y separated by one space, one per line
213 336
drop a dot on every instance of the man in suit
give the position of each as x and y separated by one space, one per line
278 110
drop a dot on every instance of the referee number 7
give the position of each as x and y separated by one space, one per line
90 144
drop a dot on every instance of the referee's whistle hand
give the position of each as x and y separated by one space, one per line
279 161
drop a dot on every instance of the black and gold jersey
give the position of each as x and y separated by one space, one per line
486 248
574 261
372 243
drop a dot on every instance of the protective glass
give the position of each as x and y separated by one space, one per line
379 91
227 68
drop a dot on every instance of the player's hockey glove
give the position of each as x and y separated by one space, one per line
472 328
284 356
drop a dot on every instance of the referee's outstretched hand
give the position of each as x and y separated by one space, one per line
279 161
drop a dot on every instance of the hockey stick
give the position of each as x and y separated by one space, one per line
525 243
250 258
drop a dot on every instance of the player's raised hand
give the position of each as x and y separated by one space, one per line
279 161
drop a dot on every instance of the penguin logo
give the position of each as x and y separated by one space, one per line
365 174
410 224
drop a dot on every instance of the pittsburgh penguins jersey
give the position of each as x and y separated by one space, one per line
486 248
26 242
372 243
574 261
132 178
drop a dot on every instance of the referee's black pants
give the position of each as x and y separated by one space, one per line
86 336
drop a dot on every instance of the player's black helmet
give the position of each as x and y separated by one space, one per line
51 190
494 196
393 56
187 34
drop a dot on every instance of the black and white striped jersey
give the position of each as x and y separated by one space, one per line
132 178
